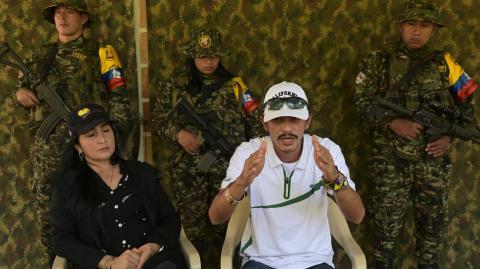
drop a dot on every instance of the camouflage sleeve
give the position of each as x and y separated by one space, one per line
119 108
372 76
30 60
118 96
467 108
163 102
22 80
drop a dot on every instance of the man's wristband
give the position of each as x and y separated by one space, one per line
230 199
339 184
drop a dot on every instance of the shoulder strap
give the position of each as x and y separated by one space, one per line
174 96
413 70
52 51
92 47
177 81
208 90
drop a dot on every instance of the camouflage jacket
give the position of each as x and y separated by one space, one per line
222 110
76 74
441 80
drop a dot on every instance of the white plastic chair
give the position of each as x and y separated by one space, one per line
338 228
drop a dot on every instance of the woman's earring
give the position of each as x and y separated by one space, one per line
80 155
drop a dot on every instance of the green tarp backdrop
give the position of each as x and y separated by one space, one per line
316 43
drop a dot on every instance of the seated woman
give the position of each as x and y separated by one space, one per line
107 212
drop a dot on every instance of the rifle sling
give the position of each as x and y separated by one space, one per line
48 64
48 125
208 90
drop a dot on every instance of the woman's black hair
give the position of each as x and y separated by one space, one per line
196 77
84 195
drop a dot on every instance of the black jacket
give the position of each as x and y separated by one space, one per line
76 236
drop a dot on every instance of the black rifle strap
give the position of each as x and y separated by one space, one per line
413 70
52 120
48 64
208 90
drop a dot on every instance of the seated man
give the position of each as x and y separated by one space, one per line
287 176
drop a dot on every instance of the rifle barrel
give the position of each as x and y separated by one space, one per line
394 107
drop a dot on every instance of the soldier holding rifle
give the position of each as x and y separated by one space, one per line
204 112
80 71
411 160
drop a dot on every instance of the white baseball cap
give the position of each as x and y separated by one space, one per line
281 91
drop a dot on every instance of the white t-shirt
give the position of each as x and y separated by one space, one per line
288 225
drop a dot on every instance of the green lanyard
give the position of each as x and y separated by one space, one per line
287 181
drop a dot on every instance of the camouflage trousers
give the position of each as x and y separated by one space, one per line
46 157
398 183
194 192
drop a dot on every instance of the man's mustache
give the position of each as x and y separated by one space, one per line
287 136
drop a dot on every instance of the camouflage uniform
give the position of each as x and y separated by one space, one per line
402 171
76 75
222 109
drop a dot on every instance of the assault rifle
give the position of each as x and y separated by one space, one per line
436 118
43 91
215 142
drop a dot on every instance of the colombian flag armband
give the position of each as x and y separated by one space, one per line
249 103
461 84
111 68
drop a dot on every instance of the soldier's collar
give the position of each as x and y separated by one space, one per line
209 79
416 54
74 43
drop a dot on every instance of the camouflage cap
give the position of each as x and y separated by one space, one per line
78 5
425 10
205 43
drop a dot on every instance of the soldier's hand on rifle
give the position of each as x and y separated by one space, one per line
439 147
26 97
324 160
406 128
189 142
253 166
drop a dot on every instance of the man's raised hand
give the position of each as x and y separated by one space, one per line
324 160
253 165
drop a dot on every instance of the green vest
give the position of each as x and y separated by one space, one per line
429 84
